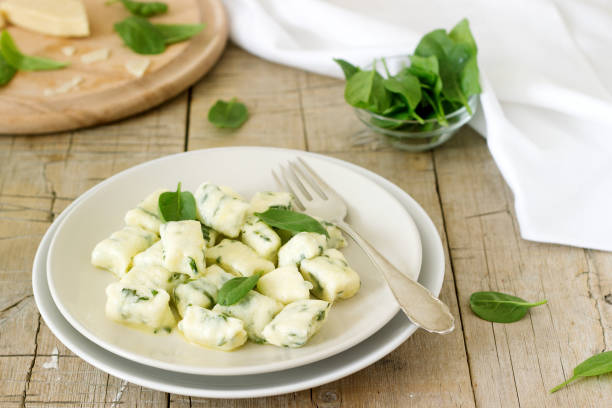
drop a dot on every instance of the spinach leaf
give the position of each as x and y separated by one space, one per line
291 221
469 77
230 114
235 289
348 68
174 33
140 35
17 60
452 58
598 364
143 9
366 90
7 71
177 206
500 307
408 86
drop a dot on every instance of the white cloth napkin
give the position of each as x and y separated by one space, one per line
546 70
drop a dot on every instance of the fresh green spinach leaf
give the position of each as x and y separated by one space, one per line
348 68
291 221
500 307
143 8
140 35
7 71
366 90
177 206
235 289
174 33
13 57
408 86
230 114
598 364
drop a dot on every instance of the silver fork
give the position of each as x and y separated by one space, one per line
320 200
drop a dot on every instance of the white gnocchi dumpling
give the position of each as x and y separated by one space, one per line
220 209
211 329
297 323
237 258
152 256
217 276
115 253
209 235
139 306
183 247
150 276
284 284
265 199
301 246
335 239
259 236
330 275
255 310
146 215
197 292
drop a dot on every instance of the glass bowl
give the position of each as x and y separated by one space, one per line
410 134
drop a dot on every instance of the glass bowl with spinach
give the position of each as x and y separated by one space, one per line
418 101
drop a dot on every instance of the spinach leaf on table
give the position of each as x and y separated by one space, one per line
230 114
13 57
140 35
598 364
500 307
174 33
143 8
177 206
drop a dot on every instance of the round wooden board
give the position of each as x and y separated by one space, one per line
108 92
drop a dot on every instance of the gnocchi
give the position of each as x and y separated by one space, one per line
171 273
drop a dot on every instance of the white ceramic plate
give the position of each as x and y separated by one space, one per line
365 353
78 288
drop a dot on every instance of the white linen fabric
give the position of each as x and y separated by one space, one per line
546 71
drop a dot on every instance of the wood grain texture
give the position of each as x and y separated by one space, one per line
480 364
108 92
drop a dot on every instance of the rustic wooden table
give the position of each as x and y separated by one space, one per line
479 364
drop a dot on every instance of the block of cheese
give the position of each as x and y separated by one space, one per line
62 18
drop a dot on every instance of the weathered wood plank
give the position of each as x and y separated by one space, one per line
40 176
427 370
515 364
269 91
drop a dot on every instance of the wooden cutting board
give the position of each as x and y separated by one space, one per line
108 92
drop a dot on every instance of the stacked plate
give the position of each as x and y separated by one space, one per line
70 295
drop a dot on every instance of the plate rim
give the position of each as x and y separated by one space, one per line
434 281
267 367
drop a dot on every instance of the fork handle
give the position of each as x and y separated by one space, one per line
417 302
